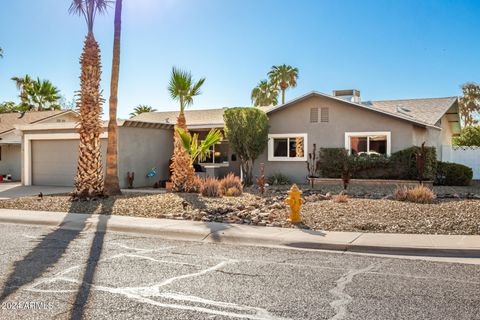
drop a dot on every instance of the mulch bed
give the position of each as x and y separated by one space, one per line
365 213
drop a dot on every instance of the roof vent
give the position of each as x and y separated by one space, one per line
404 110
351 95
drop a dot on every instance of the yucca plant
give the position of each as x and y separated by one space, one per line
89 177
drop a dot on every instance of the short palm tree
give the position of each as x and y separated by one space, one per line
182 88
37 94
89 177
283 77
141 109
264 94
199 150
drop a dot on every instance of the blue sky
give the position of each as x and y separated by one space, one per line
387 49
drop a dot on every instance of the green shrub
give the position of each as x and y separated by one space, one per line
453 174
403 164
330 162
278 179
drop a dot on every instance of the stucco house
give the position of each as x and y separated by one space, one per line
49 150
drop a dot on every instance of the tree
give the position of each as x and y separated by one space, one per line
470 104
202 150
89 177
1 53
470 136
112 186
247 131
8 106
283 77
264 94
39 95
141 109
182 88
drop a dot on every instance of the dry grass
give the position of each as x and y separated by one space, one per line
340 198
233 182
233 192
417 194
211 188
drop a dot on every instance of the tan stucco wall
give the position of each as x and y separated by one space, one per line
10 162
141 149
342 118
67 117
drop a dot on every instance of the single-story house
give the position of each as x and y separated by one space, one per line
340 120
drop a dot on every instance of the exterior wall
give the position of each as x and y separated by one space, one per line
67 117
10 161
342 118
139 150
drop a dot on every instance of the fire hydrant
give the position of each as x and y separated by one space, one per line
295 202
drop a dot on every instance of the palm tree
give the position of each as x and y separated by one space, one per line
112 186
89 177
182 88
264 94
283 77
1 53
23 83
37 94
141 109
196 150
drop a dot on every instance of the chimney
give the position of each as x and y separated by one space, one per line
351 95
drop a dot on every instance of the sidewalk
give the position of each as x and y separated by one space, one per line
409 244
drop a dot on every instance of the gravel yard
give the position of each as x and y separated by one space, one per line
367 214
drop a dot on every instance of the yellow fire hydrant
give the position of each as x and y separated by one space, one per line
295 202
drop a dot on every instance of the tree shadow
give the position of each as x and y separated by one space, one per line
46 253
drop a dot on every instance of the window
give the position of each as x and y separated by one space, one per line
368 143
324 115
287 147
313 115
218 154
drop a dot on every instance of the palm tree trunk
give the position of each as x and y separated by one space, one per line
89 178
112 186
183 174
283 96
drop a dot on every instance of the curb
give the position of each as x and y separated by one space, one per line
214 232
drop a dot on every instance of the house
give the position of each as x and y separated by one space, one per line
11 140
340 120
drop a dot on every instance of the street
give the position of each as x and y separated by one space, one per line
49 273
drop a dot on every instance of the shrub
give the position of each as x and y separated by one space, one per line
233 192
417 194
230 181
453 174
340 198
403 164
330 162
211 188
278 179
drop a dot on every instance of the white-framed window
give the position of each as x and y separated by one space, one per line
287 147
376 142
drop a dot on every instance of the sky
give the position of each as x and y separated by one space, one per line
388 49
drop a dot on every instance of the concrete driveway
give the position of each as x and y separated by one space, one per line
9 190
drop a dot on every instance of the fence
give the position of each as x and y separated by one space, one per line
469 156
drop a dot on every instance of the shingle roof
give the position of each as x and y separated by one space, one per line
428 110
206 117
9 120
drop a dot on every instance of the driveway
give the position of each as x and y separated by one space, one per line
9 190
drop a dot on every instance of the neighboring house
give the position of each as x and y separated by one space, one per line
337 121
11 139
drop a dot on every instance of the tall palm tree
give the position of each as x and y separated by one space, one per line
141 109
37 94
182 88
89 177
112 186
264 94
283 77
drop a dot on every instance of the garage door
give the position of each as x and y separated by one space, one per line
54 162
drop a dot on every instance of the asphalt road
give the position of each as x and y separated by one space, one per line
68 274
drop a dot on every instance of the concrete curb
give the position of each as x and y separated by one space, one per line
213 232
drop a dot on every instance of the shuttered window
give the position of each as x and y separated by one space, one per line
323 115
314 115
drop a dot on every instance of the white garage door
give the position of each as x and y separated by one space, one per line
54 162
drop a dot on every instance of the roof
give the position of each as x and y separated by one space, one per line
8 121
195 118
424 112
75 125
428 110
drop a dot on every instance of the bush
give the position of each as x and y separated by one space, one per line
278 179
211 188
417 194
403 164
340 198
233 192
230 181
330 162
453 174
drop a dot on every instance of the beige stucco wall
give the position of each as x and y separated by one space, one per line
141 149
10 162
67 117
342 118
